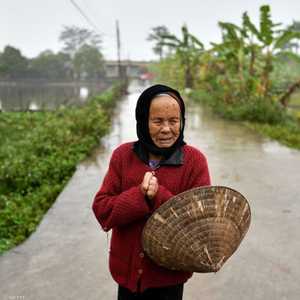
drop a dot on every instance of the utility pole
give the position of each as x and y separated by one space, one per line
119 49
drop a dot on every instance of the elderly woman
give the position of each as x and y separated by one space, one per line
142 175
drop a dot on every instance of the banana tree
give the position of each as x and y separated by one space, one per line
188 49
271 40
253 48
233 53
293 46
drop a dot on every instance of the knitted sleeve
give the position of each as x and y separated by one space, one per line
113 207
199 175
163 194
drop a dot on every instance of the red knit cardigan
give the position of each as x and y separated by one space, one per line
120 205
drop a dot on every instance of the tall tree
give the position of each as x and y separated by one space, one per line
83 46
271 40
88 63
233 49
157 36
247 43
49 65
75 37
12 64
188 49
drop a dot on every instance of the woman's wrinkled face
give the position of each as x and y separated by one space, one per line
164 121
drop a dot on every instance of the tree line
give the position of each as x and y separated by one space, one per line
250 63
81 58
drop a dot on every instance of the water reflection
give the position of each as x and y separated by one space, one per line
40 95
209 131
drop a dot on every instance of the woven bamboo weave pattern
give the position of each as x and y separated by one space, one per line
197 230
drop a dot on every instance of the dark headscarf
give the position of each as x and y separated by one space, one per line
142 117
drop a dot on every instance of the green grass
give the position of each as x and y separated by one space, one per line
38 154
288 135
269 119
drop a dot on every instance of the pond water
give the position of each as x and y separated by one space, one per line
41 95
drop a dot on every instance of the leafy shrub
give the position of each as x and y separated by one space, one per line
38 154
254 110
265 116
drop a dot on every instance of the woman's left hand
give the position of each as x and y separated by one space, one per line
152 188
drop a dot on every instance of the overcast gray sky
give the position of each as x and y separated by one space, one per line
34 25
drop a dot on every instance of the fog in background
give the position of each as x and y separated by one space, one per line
34 26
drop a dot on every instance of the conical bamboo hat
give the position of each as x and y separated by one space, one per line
197 230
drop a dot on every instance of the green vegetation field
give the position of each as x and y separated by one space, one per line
38 154
268 119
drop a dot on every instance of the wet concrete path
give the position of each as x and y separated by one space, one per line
67 257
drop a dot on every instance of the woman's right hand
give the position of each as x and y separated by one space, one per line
149 186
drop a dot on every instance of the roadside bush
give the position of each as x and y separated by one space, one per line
254 110
268 118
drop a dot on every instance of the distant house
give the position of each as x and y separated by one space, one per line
132 69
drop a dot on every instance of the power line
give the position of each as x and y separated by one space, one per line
83 14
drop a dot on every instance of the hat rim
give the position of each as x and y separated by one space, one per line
166 206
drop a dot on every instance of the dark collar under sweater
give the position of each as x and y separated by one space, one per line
174 160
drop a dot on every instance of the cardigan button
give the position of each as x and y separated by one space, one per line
140 271
142 255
